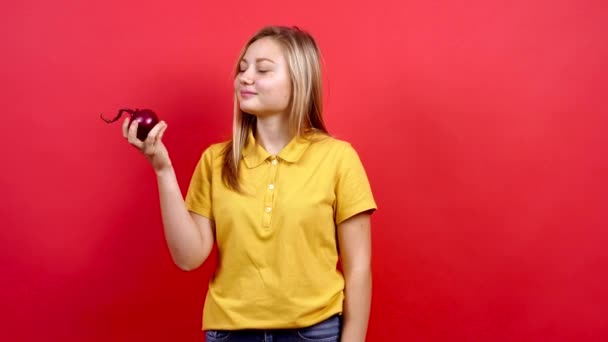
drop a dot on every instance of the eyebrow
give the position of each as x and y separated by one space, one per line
259 60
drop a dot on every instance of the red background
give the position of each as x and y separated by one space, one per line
481 124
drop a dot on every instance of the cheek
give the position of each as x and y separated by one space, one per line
286 93
278 89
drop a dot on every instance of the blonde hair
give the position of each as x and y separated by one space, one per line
305 106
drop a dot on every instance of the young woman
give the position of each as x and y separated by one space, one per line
283 200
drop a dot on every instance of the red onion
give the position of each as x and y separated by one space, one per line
146 119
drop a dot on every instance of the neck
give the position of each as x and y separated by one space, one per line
272 132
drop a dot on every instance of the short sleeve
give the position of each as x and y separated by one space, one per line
198 196
353 190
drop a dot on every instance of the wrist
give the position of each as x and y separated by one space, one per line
164 171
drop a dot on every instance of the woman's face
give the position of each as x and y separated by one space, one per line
263 83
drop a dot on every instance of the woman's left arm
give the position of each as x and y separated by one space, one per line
354 239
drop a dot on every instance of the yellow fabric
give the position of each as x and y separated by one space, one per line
277 244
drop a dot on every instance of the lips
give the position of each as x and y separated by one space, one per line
247 92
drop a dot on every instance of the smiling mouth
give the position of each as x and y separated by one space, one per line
247 95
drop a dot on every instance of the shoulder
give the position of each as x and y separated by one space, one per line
216 149
326 141
330 145
213 154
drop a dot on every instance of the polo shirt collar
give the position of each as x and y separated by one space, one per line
254 154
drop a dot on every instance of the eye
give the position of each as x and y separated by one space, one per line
263 71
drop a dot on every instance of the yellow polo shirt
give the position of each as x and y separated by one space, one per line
277 244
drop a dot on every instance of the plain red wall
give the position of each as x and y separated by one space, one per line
482 125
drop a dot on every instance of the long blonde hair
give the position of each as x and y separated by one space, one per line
305 104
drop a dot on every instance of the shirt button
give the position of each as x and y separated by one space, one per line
271 187
274 162
268 209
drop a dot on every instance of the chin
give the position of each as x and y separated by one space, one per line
249 110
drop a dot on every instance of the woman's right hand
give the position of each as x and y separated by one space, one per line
153 148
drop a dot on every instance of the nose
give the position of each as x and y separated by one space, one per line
246 77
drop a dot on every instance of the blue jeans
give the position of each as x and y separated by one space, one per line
325 331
